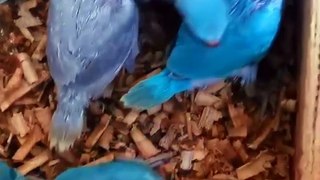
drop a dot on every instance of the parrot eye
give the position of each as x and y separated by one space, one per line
97 107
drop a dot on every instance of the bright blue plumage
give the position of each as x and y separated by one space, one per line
251 28
211 24
88 43
116 170
8 173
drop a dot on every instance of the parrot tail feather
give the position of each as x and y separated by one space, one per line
154 91
68 120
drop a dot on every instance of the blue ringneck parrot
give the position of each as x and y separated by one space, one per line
210 47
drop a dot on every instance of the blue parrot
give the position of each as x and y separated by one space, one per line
88 43
216 40
116 170
8 173
210 24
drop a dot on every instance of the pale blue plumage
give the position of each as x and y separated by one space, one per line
251 28
88 43
116 170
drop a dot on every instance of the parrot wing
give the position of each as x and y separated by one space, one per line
116 170
90 40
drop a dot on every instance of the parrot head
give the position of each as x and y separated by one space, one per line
206 19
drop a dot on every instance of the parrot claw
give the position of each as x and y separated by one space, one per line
248 74
248 77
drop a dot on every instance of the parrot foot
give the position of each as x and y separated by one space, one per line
248 75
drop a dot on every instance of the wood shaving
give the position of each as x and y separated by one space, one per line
255 166
157 123
29 143
27 19
205 99
29 71
167 140
145 146
186 158
106 138
98 131
131 117
208 117
44 116
34 162
19 124
39 53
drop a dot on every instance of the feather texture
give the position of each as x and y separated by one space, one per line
88 43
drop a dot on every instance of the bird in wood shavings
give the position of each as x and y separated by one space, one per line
217 39
8 173
88 43
116 170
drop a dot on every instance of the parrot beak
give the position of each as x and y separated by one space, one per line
214 43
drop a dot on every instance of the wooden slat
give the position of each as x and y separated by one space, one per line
307 159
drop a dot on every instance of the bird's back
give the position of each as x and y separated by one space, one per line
117 170
89 41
